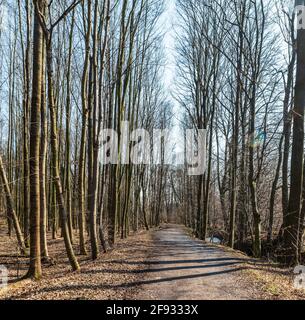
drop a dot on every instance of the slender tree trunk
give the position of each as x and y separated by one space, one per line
287 135
10 208
56 174
42 168
68 119
236 128
82 157
252 181
35 137
273 192
93 147
26 108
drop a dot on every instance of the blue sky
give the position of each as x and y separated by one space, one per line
168 20
169 25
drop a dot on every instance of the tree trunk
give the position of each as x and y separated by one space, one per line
42 169
292 225
10 208
35 137
56 174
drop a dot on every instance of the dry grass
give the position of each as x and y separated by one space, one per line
273 281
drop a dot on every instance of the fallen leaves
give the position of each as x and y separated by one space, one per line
109 277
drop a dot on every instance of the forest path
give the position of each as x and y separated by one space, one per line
182 268
164 263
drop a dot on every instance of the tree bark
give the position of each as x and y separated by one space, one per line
35 137
292 226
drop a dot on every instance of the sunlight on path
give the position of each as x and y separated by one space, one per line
183 268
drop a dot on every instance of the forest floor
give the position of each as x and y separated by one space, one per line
166 263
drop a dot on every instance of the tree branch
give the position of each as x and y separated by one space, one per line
66 12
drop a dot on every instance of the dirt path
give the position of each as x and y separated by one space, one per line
180 267
161 264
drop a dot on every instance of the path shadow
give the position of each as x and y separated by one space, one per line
161 262
157 270
80 287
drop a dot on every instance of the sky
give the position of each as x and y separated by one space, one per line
169 25
167 20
